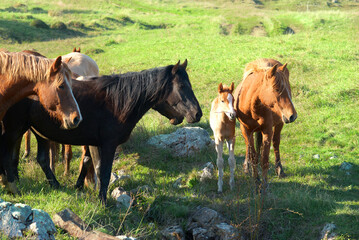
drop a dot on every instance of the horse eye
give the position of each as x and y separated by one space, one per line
222 101
62 86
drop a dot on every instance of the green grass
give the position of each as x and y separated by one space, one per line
215 37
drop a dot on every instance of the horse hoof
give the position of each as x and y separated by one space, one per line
12 188
26 155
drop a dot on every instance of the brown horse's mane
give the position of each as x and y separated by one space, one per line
261 66
21 65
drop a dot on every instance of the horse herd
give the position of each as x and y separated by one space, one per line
64 100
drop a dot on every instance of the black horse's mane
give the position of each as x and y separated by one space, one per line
132 91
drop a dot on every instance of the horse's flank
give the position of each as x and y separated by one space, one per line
81 64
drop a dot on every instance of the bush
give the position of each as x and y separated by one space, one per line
39 24
58 25
76 24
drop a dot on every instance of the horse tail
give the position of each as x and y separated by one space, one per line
258 140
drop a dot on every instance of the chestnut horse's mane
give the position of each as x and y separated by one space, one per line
20 65
261 66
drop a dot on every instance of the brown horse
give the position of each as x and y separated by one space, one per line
223 124
22 75
263 103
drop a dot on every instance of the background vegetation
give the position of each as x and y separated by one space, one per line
318 40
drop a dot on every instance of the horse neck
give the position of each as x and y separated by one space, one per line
13 91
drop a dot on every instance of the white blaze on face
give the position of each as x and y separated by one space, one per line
231 114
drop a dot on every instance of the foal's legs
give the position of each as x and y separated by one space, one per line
85 164
219 149
231 161
276 141
53 154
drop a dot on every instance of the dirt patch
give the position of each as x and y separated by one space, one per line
259 31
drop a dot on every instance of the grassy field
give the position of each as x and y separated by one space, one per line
218 38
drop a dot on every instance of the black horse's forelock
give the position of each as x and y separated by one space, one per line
131 92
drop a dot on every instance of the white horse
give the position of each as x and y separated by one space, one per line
223 124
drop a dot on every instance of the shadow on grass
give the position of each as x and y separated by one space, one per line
16 31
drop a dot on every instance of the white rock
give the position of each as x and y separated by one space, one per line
183 142
316 156
327 232
173 233
21 212
124 237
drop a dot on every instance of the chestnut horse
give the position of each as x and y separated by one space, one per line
80 65
223 124
111 106
263 103
22 75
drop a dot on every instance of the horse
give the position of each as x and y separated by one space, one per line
22 75
80 65
263 103
223 124
111 107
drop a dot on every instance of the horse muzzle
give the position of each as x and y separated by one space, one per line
291 119
72 122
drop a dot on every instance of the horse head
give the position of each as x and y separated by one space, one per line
277 93
182 98
168 111
226 101
58 98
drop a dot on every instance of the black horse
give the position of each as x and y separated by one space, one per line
111 106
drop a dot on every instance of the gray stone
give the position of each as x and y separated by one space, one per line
183 142
10 226
328 232
207 172
114 178
42 225
345 166
316 156
227 232
124 237
122 197
177 183
206 223
21 212
173 233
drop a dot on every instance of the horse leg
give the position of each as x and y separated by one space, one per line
27 137
43 148
267 137
250 158
219 149
231 161
276 141
53 154
7 171
86 162
103 159
15 158
67 157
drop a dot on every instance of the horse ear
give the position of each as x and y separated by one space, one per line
283 67
220 88
79 50
272 71
184 64
231 88
74 50
175 68
67 60
56 65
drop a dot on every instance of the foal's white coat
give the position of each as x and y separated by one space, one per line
223 123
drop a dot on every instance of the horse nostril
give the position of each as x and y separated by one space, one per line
76 120
198 115
292 118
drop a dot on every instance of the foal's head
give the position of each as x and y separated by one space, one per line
182 98
277 93
56 95
225 101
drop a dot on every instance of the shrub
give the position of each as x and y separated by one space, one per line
39 24
58 25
